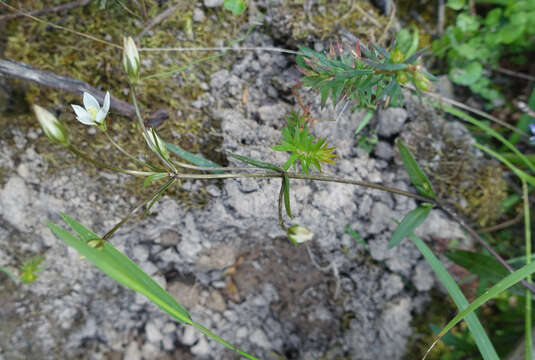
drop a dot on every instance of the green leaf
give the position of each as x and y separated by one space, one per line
355 235
474 325
120 268
236 6
494 291
417 176
123 270
409 223
192 158
385 66
154 177
456 4
257 163
364 121
468 75
286 192
467 22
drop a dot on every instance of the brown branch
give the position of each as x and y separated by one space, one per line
54 9
22 71
157 19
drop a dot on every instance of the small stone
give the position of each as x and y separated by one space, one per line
153 333
391 121
422 278
188 294
198 15
150 351
132 351
213 3
140 252
259 338
216 301
383 150
169 238
201 349
190 336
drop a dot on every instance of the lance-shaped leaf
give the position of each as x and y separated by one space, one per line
286 192
387 66
417 176
119 267
257 163
192 158
409 223
416 55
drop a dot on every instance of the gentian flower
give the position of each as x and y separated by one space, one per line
299 234
52 127
532 128
155 143
131 59
93 114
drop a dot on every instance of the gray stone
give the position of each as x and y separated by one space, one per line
153 333
213 3
132 352
423 278
198 15
391 121
383 150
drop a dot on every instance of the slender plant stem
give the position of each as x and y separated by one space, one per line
144 129
281 194
106 166
132 212
527 234
122 150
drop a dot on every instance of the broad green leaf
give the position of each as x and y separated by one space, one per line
456 4
409 223
467 22
417 176
192 158
494 291
236 6
468 75
474 325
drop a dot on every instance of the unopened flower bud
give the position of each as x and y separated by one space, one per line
97 243
131 59
156 144
397 56
299 234
421 81
52 127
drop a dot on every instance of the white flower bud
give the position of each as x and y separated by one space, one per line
156 144
299 234
131 59
52 127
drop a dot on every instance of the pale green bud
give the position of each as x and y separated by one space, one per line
155 143
131 59
299 234
52 127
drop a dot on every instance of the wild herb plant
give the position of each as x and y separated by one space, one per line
369 78
475 44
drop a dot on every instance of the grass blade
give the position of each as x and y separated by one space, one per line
474 325
527 234
409 223
123 270
417 176
494 291
257 163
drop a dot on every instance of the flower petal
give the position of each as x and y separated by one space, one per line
89 100
78 110
532 128
106 105
101 114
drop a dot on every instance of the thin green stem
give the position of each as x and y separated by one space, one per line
144 129
133 211
527 234
122 150
106 166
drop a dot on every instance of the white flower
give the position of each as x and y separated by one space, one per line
155 143
93 114
299 234
51 126
130 59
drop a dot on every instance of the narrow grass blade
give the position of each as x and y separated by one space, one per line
521 174
286 192
487 129
120 268
527 235
192 158
494 291
409 223
123 270
364 122
257 163
474 325
154 177
417 176
9 273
